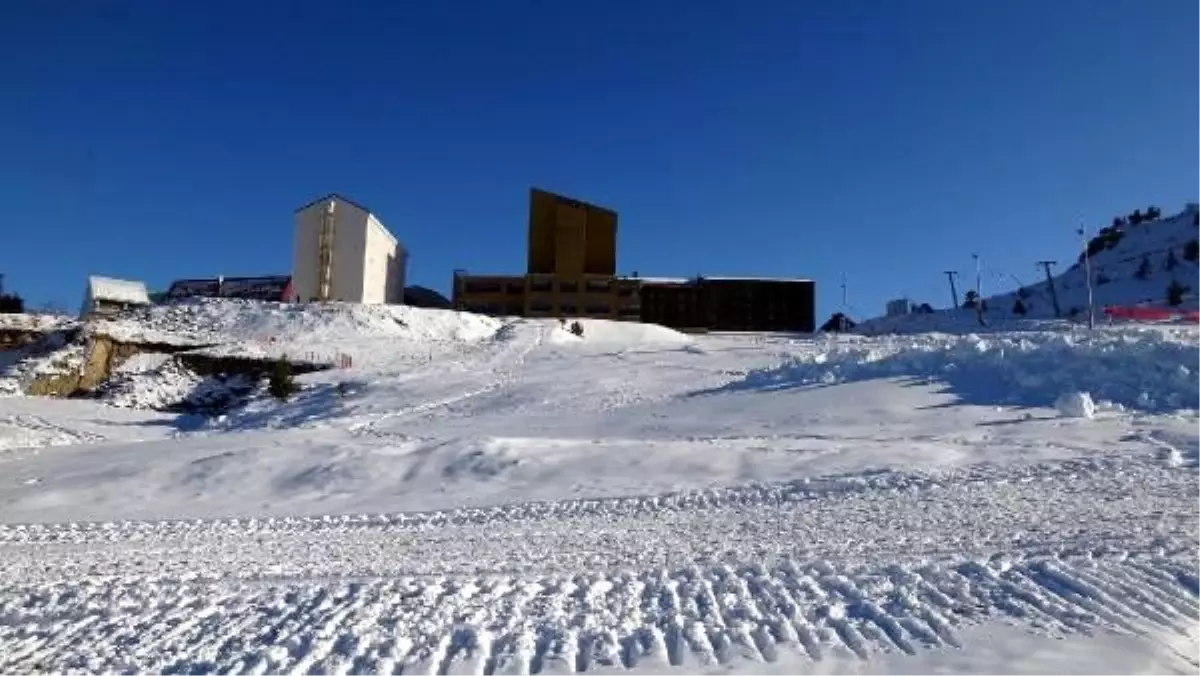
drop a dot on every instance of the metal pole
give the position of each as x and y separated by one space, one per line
1087 271
953 290
1050 283
978 277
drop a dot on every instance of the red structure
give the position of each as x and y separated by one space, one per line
1150 314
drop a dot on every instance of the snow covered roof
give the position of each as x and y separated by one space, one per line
117 290
756 279
657 280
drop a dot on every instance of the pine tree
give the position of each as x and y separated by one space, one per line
1152 213
281 384
1175 293
1019 307
1172 261
1144 270
577 329
1191 250
11 303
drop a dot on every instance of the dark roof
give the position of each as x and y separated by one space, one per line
334 195
420 296
558 197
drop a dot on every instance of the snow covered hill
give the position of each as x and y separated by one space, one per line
476 495
1135 268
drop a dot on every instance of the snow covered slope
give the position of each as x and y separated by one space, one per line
1159 244
479 496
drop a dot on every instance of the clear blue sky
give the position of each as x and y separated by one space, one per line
887 140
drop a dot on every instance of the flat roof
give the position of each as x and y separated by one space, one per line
757 279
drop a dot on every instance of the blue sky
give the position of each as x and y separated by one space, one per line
886 141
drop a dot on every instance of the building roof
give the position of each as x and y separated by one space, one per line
118 290
658 280
334 196
756 279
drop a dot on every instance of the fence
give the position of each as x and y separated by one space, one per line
339 360
1151 314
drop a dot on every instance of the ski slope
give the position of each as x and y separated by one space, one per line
486 496
1115 282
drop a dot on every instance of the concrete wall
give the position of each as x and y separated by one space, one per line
385 267
349 252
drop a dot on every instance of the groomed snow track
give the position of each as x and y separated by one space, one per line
694 617
846 567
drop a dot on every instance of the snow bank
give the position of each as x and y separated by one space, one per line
615 334
1145 370
210 320
1076 405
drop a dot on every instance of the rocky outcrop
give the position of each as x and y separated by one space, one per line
94 359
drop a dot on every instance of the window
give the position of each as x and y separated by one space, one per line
482 287
539 285
568 308
599 285
568 287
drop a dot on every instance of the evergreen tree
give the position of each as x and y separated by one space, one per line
1191 250
1144 270
1175 293
281 384
1172 261
1019 307
11 303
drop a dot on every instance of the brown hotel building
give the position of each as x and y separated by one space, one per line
571 272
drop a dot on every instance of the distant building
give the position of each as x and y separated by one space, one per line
108 297
344 253
731 304
273 288
570 271
900 306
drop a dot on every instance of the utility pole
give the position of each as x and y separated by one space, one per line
978 290
1050 282
953 289
978 277
843 291
1087 270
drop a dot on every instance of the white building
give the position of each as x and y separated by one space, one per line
106 297
342 252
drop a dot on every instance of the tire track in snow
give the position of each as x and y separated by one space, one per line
696 616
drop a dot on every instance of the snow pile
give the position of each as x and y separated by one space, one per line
1146 370
59 353
35 322
271 328
153 386
615 334
1076 405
